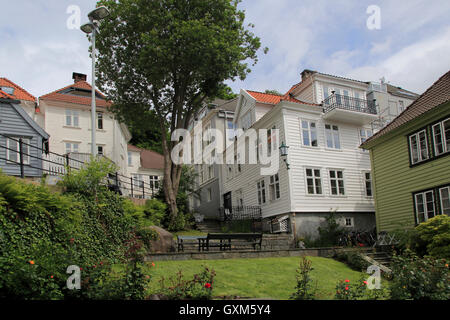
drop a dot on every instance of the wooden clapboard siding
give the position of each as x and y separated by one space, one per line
396 180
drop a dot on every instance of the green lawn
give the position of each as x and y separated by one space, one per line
259 278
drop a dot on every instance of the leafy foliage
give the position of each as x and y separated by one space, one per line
353 260
418 278
304 289
345 290
200 287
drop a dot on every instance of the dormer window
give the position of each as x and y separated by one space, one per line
8 90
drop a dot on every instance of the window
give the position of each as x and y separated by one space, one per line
418 147
274 187
231 133
368 184
364 134
309 133
247 120
8 90
210 172
261 192
100 150
130 159
401 107
72 118
337 182
240 198
71 147
441 137
445 200
154 182
348 222
425 208
209 194
13 149
99 120
313 181
325 92
332 136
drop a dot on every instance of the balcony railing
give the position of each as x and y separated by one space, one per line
337 101
240 213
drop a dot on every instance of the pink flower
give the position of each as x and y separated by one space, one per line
346 288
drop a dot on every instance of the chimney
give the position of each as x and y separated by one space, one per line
78 77
306 74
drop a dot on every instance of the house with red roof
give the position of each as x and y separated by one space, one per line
146 168
67 118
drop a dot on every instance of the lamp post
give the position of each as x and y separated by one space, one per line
92 27
284 153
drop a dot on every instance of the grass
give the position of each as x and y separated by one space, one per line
188 233
258 278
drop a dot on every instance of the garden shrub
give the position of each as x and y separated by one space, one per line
304 289
353 260
43 232
345 290
433 237
417 278
200 287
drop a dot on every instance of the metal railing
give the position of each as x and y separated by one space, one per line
337 101
240 213
45 163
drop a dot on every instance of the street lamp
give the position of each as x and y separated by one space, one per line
284 153
92 27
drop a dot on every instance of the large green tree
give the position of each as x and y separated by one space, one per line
169 57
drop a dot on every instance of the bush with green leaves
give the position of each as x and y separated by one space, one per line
346 290
85 225
200 287
433 237
353 259
304 289
420 278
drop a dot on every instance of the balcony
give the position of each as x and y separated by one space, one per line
351 110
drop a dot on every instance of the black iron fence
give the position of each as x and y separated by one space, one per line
240 213
22 156
337 101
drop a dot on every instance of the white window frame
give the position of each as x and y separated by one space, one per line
130 159
209 195
445 210
336 179
154 181
102 148
443 135
426 211
420 156
72 115
240 198
100 117
370 181
314 181
72 144
26 149
364 134
309 132
335 136
348 219
274 187
261 191
247 120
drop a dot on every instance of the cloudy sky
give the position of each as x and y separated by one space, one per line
411 49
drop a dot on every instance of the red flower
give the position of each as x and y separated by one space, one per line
72 240
346 288
365 282
207 285
51 277
94 266
81 268
347 280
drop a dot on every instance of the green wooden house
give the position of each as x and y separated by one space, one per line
410 160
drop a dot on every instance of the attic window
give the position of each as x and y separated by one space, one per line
8 90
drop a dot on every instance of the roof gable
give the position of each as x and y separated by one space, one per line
436 95
19 93
77 93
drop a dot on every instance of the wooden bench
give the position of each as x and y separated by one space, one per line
239 239
191 241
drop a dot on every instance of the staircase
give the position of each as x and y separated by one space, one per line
383 258
209 226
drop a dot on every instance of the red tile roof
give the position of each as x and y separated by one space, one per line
67 97
19 92
149 159
436 95
275 99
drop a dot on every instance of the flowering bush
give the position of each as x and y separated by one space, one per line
420 278
345 290
199 288
304 289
